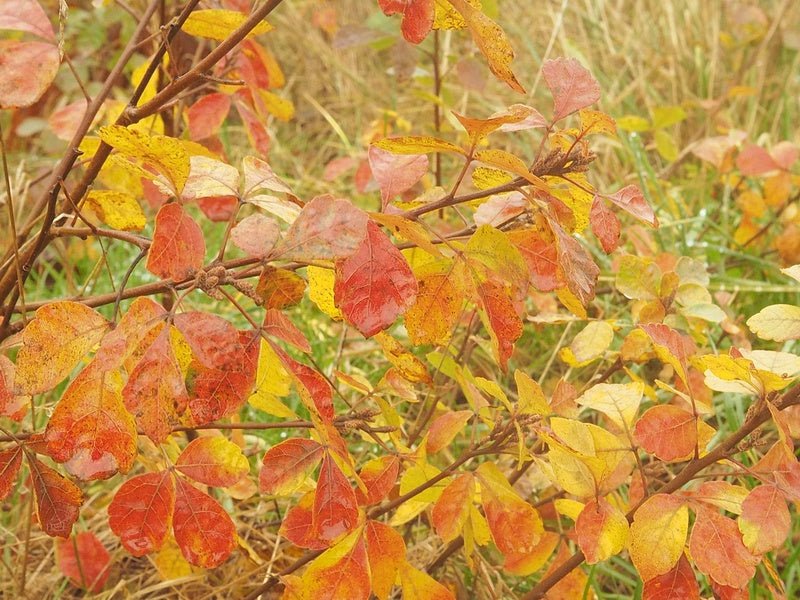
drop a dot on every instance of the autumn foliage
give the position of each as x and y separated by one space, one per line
144 392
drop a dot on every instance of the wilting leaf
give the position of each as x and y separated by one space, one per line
141 512
661 522
60 334
602 531
577 266
779 322
84 560
417 17
213 461
631 200
717 549
218 24
375 285
26 71
327 228
178 247
204 531
287 465
671 347
90 430
57 499
572 86
765 521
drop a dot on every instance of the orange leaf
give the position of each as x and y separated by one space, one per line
340 573
667 431
500 318
287 465
439 300
379 476
452 508
141 512
631 200
602 530
375 285
156 392
386 552
60 334
213 461
204 531
765 521
298 526
327 228
57 499
90 430
178 247
418 585
133 334
671 347
279 288
84 560
718 551
605 225
571 586
445 428
677 584
207 115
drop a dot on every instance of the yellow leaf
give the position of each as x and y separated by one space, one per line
569 508
633 123
589 344
531 398
779 322
417 145
665 145
168 155
602 531
170 563
218 24
658 534
118 210
664 116
491 255
272 383
492 42
320 290
415 476
577 194
485 178
618 401
446 17
439 302
407 364
409 231
513 164
596 122
279 107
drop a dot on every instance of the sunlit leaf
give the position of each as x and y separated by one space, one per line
118 210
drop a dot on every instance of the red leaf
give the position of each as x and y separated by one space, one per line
213 461
386 552
605 225
676 584
90 430
256 234
314 389
667 431
57 499
141 512
379 476
26 71
375 285
572 86
156 392
327 228
256 132
207 115
178 247
452 508
671 346
631 200
288 464
218 208
541 255
417 17
298 525
754 160
10 462
214 341
395 173
84 560
717 549
335 510
203 530
26 15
